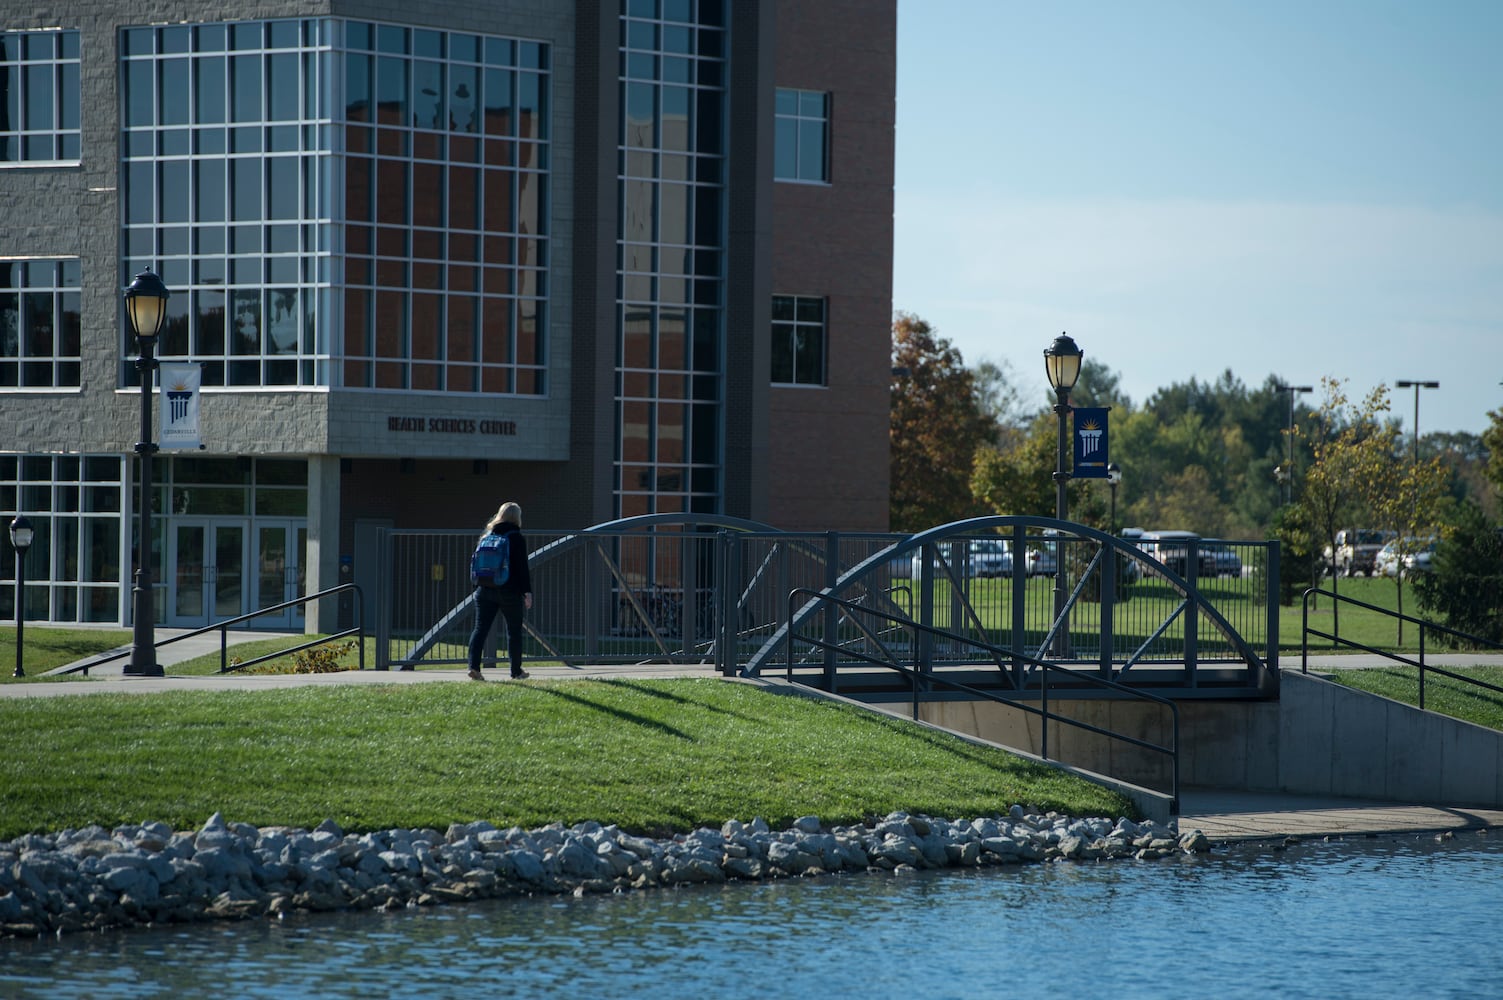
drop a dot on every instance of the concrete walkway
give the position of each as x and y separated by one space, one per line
1221 814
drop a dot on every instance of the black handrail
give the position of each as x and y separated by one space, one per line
1422 625
223 627
917 676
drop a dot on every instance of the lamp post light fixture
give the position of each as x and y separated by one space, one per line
20 539
1062 364
146 306
1114 479
1405 383
1287 478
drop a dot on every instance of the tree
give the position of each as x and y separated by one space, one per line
1407 499
1492 440
938 422
1018 477
1352 455
1465 583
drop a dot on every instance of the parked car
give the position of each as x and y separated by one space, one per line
1413 553
1172 548
989 557
1225 559
1357 550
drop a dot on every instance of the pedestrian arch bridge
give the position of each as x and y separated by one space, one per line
986 600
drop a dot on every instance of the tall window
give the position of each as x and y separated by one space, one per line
671 250
798 340
801 148
39 106
39 324
74 503
395 240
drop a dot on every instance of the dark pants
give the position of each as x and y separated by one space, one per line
489 601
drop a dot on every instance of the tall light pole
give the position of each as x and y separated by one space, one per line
1062 363
1404 383
146 305
20 540
1114 478
1288 477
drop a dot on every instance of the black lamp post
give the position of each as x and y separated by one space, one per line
146 305
20 540
1062 363
1405 383
1114 479
1288 477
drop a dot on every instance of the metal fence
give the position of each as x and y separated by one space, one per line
715 591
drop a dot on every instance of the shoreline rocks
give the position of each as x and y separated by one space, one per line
138 875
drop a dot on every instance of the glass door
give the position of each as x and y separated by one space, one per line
279 572
208 568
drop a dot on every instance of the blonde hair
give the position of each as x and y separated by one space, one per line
509 513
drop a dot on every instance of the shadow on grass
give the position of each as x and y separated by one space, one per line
631 717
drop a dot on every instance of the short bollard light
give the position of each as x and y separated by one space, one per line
21 534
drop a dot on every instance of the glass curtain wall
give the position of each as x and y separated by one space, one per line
670 256
340 203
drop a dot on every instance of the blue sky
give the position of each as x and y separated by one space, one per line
1291 188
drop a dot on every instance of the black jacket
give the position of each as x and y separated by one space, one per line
519 579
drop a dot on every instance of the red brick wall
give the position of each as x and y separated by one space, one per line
828 447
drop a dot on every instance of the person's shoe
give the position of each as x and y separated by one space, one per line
520 675
475 675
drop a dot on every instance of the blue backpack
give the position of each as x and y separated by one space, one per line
490 564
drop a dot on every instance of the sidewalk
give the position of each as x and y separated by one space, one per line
1226 814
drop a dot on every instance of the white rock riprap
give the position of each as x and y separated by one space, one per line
149 874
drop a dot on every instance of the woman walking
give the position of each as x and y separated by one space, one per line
512 598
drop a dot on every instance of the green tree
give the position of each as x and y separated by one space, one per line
1406 497
1492 440
1465 584
1018 478
938 422
1351 457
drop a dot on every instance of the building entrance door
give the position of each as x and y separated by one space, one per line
279 574
208 567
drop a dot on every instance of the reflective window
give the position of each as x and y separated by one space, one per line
39 324
443 158
75 564
801 146
670 244
798 340
39 100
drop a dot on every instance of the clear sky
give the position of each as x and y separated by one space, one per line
1296 188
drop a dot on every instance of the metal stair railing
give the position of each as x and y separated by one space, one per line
223 628
922 678
1421 624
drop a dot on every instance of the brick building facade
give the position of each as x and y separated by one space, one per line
602 259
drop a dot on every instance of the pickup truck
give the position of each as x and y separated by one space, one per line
1357 550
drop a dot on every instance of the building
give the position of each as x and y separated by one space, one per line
603 259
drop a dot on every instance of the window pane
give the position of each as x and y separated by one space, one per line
174 92
245 73
208 76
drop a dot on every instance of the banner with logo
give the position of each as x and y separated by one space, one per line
1091 442
180 385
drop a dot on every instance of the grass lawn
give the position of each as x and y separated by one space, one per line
651 756
1442 694
1353 623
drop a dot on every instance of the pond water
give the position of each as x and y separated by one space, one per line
1387 917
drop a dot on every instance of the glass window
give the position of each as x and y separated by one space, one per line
798 340
39 97
39 324
801 136
245 205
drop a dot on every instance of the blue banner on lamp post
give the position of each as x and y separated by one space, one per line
1091 451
